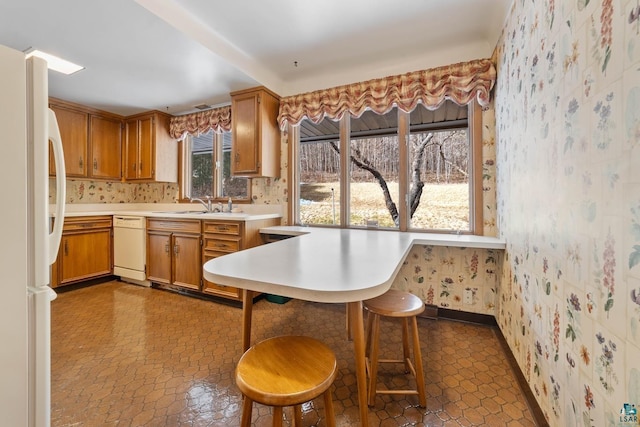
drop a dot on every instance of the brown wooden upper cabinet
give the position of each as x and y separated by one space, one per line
255 147
91 140
106 146
74 131
150 154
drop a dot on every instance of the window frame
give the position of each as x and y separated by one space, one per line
185 172
474 129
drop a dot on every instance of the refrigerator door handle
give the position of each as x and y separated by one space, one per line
58 155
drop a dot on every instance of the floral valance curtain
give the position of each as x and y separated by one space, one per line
217 119
458 82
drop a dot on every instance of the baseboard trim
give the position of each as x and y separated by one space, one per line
435 312
536 411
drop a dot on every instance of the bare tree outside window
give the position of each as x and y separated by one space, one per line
438 163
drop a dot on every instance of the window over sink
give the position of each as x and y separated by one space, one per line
207 168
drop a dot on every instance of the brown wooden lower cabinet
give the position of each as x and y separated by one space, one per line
173 252
222 237
86 250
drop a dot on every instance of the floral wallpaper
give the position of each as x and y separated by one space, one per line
85 191
274 190
464 279
567 114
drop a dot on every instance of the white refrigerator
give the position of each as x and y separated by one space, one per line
28 244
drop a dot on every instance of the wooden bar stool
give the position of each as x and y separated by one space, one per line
396 304
286 371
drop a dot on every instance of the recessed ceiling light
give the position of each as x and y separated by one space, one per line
55 63
202 106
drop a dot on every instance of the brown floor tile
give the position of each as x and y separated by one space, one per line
134 356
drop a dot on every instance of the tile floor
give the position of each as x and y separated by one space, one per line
124 355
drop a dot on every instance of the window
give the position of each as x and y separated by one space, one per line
207 168
425 184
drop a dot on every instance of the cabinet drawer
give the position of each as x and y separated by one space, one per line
210 254
86 223
221 244
223 291
185 225
221 227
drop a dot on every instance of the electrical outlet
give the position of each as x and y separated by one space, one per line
468 296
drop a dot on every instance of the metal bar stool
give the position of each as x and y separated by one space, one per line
396 304
286 371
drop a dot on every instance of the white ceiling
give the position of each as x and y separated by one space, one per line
171 55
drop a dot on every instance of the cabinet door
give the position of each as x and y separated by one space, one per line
159 258
74 128
139 146
244 149
84 256
130 163
145 148
187 268
105 147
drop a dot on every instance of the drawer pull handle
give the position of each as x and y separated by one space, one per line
166 248
176 249
95 164
81 163
66 247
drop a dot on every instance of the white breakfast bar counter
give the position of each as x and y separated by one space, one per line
332 266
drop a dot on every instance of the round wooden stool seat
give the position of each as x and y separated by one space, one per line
286 371
394 303
398 304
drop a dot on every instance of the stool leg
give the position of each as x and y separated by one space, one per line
277 416
405 344
328 409
417 354
247 406
367 335
297 416
373 372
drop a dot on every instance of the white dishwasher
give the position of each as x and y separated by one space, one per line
129 249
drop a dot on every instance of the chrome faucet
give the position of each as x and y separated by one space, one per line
206 204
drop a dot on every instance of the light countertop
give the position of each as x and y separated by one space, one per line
173 210
328 264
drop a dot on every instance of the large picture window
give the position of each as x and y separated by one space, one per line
405 171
